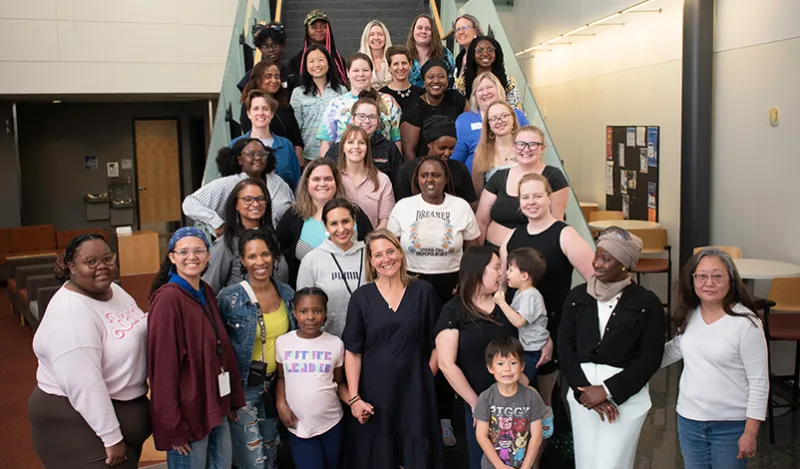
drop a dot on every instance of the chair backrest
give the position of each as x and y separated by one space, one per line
64 237
733 251
653 240
606 215
37 282
33 238
785 292
22 274
138 286
43 296
15 262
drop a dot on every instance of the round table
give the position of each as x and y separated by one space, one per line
763 269
626 224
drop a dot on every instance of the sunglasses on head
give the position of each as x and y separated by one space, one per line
620 233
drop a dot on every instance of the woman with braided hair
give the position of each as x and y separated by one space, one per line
90 408
318 31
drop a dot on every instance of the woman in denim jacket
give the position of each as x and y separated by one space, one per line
248 308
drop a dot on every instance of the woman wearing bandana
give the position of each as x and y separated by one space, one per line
610 344
194 377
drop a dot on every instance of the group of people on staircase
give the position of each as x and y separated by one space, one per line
384 241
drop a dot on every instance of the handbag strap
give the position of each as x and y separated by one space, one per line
253 299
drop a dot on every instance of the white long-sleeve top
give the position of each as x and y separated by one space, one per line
725 367
91 352
207 204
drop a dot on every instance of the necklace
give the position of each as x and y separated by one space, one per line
391 301
404 93
504 155
427 101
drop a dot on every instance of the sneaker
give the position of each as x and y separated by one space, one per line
448 434
547 424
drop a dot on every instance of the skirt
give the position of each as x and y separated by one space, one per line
63 440
604 445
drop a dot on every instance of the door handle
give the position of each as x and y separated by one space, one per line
140 188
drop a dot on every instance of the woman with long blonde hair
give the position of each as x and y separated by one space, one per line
496 147
375 40
390 362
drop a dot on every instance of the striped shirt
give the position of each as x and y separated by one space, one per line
207 205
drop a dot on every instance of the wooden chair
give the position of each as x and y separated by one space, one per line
733 251
655 242
784 296
606 215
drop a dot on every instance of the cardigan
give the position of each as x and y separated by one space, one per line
633 340
289 229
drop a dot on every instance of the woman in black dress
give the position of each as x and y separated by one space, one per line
389 362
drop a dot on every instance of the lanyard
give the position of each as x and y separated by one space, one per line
207 313
344 279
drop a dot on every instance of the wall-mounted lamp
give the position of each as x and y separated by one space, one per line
577 31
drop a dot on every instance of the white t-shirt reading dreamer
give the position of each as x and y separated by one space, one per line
91 352
432 236
308 366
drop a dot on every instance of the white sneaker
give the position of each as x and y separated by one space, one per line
448 434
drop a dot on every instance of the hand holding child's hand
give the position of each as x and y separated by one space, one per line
500 298
286 415
361 410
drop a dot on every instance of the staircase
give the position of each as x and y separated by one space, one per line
348 20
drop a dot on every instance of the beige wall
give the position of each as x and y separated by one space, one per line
59 47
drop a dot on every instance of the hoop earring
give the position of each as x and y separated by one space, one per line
491 135
624 268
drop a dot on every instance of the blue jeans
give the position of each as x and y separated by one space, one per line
710 444
255 437
473 448
319 452
531 359
212 452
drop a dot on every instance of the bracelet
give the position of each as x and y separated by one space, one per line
355 399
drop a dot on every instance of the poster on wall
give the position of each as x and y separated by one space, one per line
651 195
652 146
626 206
621 155
631 136
632 173
643 160
609 147
610 177
623 182
90 162
640 136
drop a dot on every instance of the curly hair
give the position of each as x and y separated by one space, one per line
61 268
228 158
254 83
498 67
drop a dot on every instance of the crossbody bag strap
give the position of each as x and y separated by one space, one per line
344 278
260 318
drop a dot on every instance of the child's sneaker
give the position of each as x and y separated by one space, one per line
448 434
547 424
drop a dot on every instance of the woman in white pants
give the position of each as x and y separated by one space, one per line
610 343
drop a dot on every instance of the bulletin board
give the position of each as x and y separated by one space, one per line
632 171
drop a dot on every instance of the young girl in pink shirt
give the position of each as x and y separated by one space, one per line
310 384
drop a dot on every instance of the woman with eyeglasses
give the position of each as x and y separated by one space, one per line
425 43
385 154
257 311
610 342
195 386
496 147
248 158
338 114
261 109
437 100
89 408
467 28
486 91
301 229
406 94
319 85
247 208
374 41
498 210
318 31
486 55
270 40
563 250
721 342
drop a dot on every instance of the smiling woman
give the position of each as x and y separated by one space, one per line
374 41
399 59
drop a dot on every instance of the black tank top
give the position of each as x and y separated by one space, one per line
557 280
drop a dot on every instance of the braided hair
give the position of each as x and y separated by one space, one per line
61 269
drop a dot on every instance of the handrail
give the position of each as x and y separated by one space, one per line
437 19
278 11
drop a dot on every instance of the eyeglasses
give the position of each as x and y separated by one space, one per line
252 155
109 260
488 50
499 117
464 28
361 117
196 252
702 278
620 233
522 146
270 45
250 200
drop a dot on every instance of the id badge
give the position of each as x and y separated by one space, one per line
476 126
224 380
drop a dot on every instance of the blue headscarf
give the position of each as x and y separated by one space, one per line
185 232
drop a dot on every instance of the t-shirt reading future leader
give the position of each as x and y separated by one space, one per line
432 236
509 422
308 366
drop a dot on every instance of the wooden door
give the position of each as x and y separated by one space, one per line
157 171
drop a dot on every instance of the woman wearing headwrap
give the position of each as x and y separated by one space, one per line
437 101
194 376
440 133
318 31
610 344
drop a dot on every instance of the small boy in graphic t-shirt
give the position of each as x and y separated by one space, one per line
527 311
509 416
